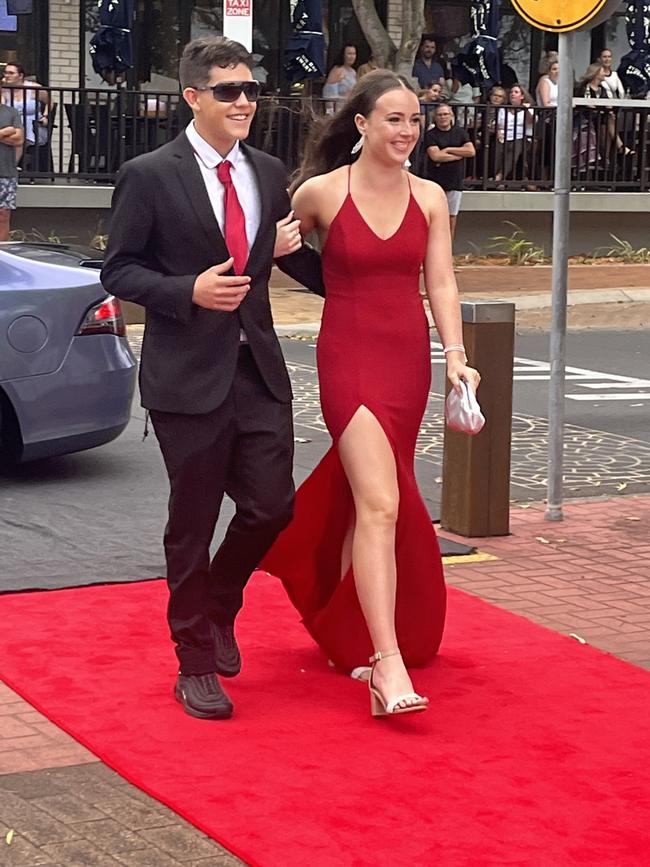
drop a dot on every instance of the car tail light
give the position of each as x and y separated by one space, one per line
104 318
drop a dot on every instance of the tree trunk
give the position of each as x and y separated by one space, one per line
382 46
412 28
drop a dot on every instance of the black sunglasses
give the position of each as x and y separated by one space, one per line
229 91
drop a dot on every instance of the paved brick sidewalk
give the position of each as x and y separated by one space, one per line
589 575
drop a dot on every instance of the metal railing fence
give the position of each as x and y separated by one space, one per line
86 135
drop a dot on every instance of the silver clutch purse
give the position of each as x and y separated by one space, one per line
462 411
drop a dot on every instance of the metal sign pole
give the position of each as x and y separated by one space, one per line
562 186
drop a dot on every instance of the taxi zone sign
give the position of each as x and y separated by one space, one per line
238 7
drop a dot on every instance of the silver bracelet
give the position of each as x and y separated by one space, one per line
454 347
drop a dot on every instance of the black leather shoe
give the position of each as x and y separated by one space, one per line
201 696
226 653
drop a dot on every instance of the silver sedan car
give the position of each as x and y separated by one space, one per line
67 374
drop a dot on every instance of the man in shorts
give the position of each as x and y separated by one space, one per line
11 141
447 147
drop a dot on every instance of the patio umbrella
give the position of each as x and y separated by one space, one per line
478 63
634 69
304 56
110 47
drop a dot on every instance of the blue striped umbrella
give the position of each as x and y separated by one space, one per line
304 55
110 48
478 63
634 69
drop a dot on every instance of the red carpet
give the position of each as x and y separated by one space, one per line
536 750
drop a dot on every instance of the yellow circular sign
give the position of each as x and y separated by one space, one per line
560 16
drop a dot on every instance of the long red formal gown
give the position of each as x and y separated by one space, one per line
373 351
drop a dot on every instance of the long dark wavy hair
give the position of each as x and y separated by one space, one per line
331 138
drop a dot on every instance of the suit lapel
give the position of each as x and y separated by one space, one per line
191 181
265 198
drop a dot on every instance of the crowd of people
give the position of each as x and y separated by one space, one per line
505 135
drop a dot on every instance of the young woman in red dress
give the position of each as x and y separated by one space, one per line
360 560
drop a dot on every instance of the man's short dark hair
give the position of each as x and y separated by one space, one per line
201 55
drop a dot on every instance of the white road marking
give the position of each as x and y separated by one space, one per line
531 370
640 396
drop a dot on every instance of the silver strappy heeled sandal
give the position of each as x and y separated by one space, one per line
379 706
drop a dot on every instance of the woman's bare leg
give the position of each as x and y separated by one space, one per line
369 465
452 225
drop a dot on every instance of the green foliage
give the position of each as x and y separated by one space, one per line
99 242
38 237
624 251
516 248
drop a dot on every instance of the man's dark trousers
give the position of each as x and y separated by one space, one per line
244 448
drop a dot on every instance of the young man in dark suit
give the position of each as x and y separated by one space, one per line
192 239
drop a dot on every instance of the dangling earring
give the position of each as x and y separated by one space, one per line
357 147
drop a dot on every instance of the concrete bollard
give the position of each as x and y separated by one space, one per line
476 469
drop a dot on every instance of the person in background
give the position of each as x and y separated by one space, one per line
514 135
589 145
427 67
369 66
448 146
431 94
11 142
458 91
546 91
546 98
29 102
612 83
429 98
615 90
343 76
497 98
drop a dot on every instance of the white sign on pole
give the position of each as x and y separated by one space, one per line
238 21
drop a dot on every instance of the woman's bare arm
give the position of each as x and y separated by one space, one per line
305 206
544 94
441 288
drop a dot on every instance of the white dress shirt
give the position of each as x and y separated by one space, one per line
244 182
243 178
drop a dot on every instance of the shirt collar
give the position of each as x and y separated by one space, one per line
206 153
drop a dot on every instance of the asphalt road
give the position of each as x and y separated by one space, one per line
595 397
607 442
99 515
611 369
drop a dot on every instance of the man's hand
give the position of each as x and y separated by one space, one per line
287 236
214 291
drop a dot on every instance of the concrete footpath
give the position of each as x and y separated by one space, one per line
587 577
296 310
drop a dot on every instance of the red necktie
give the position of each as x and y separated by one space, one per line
235 231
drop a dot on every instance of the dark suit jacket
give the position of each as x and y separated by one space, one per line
163 234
